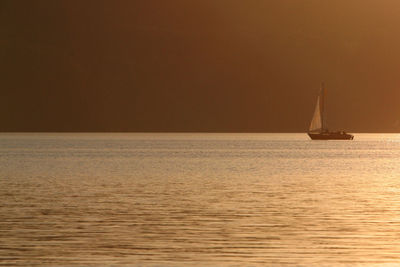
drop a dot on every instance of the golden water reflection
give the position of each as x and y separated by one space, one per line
199 200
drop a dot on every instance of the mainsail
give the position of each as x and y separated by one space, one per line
317 122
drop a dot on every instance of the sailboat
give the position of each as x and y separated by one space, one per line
318 129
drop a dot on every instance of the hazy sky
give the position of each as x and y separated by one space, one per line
217 65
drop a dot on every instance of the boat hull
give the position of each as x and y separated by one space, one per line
331 136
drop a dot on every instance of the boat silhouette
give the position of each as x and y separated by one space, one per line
318 129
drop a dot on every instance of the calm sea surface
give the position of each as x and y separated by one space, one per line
198 199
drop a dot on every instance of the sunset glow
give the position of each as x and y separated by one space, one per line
199 133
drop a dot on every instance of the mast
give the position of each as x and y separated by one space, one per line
322 106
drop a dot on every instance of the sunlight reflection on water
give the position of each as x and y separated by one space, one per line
198 199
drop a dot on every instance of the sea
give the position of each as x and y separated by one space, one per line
198 199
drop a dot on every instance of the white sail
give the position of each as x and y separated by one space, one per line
318 121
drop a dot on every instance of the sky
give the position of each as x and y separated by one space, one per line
198 66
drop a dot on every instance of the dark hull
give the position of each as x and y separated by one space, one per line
331 136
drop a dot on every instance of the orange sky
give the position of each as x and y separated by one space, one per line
225 65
